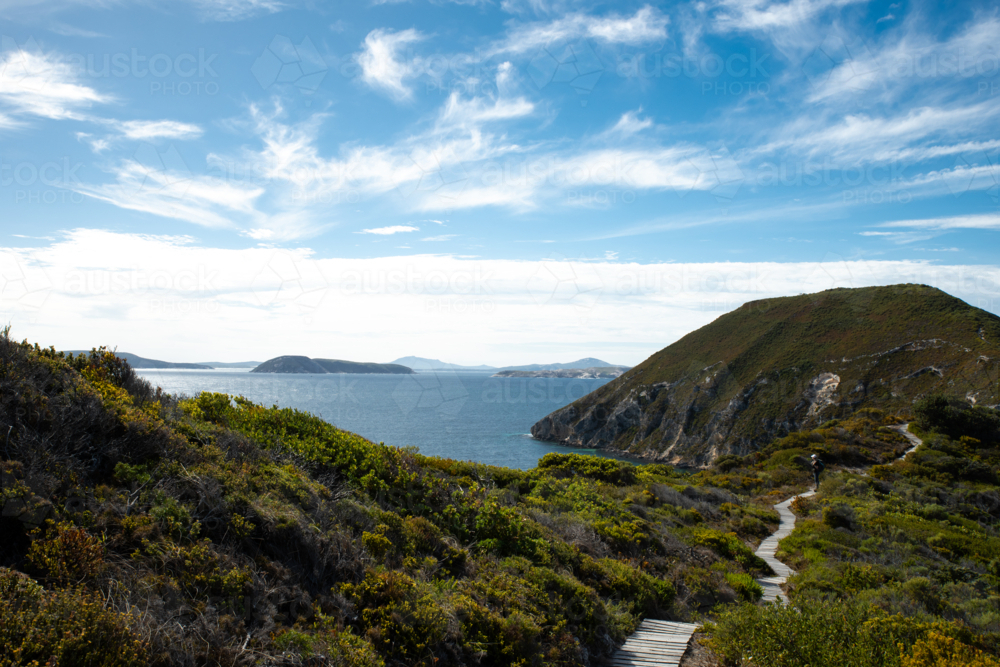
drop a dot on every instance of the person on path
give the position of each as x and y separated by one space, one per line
817 466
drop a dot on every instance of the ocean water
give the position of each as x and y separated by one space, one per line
456 414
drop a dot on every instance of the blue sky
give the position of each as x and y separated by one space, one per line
504 181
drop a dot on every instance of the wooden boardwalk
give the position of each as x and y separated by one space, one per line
655 644
663 643
767 549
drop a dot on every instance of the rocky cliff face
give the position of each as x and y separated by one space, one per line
777 366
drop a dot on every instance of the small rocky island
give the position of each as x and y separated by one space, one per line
299 364
601 372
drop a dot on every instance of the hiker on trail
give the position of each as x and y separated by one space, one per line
817 466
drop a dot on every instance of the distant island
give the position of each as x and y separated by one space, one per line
425 364
584 373
299 364
228 364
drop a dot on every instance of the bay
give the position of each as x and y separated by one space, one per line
463 415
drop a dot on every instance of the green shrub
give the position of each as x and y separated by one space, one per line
66 554
730 546
745 586
65 628
820 633
593 467
938 650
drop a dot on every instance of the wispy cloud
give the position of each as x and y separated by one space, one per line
899 237
382 66
648 24
144 130
42 84
630 123
974 221
237 10
73 31
392 229
765 15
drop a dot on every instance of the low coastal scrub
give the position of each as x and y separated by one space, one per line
900 566
141 528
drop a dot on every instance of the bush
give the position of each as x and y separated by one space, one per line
745 586
956 418
941 651
593 467
819 633
61 628
730 546
66 554
840 515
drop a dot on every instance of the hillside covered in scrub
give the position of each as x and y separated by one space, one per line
897 566
140 528
775 366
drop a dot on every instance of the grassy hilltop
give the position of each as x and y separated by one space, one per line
141 528
774 366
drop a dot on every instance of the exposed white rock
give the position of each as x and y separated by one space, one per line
821 392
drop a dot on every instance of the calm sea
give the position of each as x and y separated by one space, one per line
461 415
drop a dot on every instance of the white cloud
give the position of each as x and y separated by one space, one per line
973 221
381 65
442 237
476 110
144 130
912 134
905 59
646 25
764 15
900 237
171 298
392 229
237 10
73 31
40 84
630 123
161 184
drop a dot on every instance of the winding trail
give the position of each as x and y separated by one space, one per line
767 549
663 643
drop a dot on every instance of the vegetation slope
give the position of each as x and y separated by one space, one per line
140 528
899 565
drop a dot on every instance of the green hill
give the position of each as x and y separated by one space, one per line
776 365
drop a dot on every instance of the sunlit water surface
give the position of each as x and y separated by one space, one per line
461 415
